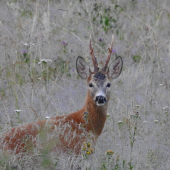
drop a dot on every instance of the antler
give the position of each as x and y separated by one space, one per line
108 58
96 69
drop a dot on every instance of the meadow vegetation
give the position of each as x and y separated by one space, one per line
39 43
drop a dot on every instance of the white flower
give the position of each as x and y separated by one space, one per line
47 117
145 121
165 107
108 115
44 60
25 44
18 110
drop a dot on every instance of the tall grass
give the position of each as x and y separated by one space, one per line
39 44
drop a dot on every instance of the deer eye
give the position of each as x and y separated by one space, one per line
108 84
90 85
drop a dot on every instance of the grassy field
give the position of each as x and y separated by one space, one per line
39 43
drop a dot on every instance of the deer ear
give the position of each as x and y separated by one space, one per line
115 68
82 68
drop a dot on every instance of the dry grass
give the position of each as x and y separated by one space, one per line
39 44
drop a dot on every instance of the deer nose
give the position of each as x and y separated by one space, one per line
100 100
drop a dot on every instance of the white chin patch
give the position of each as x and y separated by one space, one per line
100 104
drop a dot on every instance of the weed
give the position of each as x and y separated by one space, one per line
133 124
18 115
136 58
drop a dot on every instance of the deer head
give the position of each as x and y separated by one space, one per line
99 81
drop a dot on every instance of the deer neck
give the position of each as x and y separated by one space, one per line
96 115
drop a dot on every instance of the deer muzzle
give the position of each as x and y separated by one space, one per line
100 100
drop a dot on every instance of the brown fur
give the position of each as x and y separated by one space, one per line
15 139
68 132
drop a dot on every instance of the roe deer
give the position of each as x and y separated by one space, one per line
74 125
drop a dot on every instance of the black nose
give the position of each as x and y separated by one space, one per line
100 99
